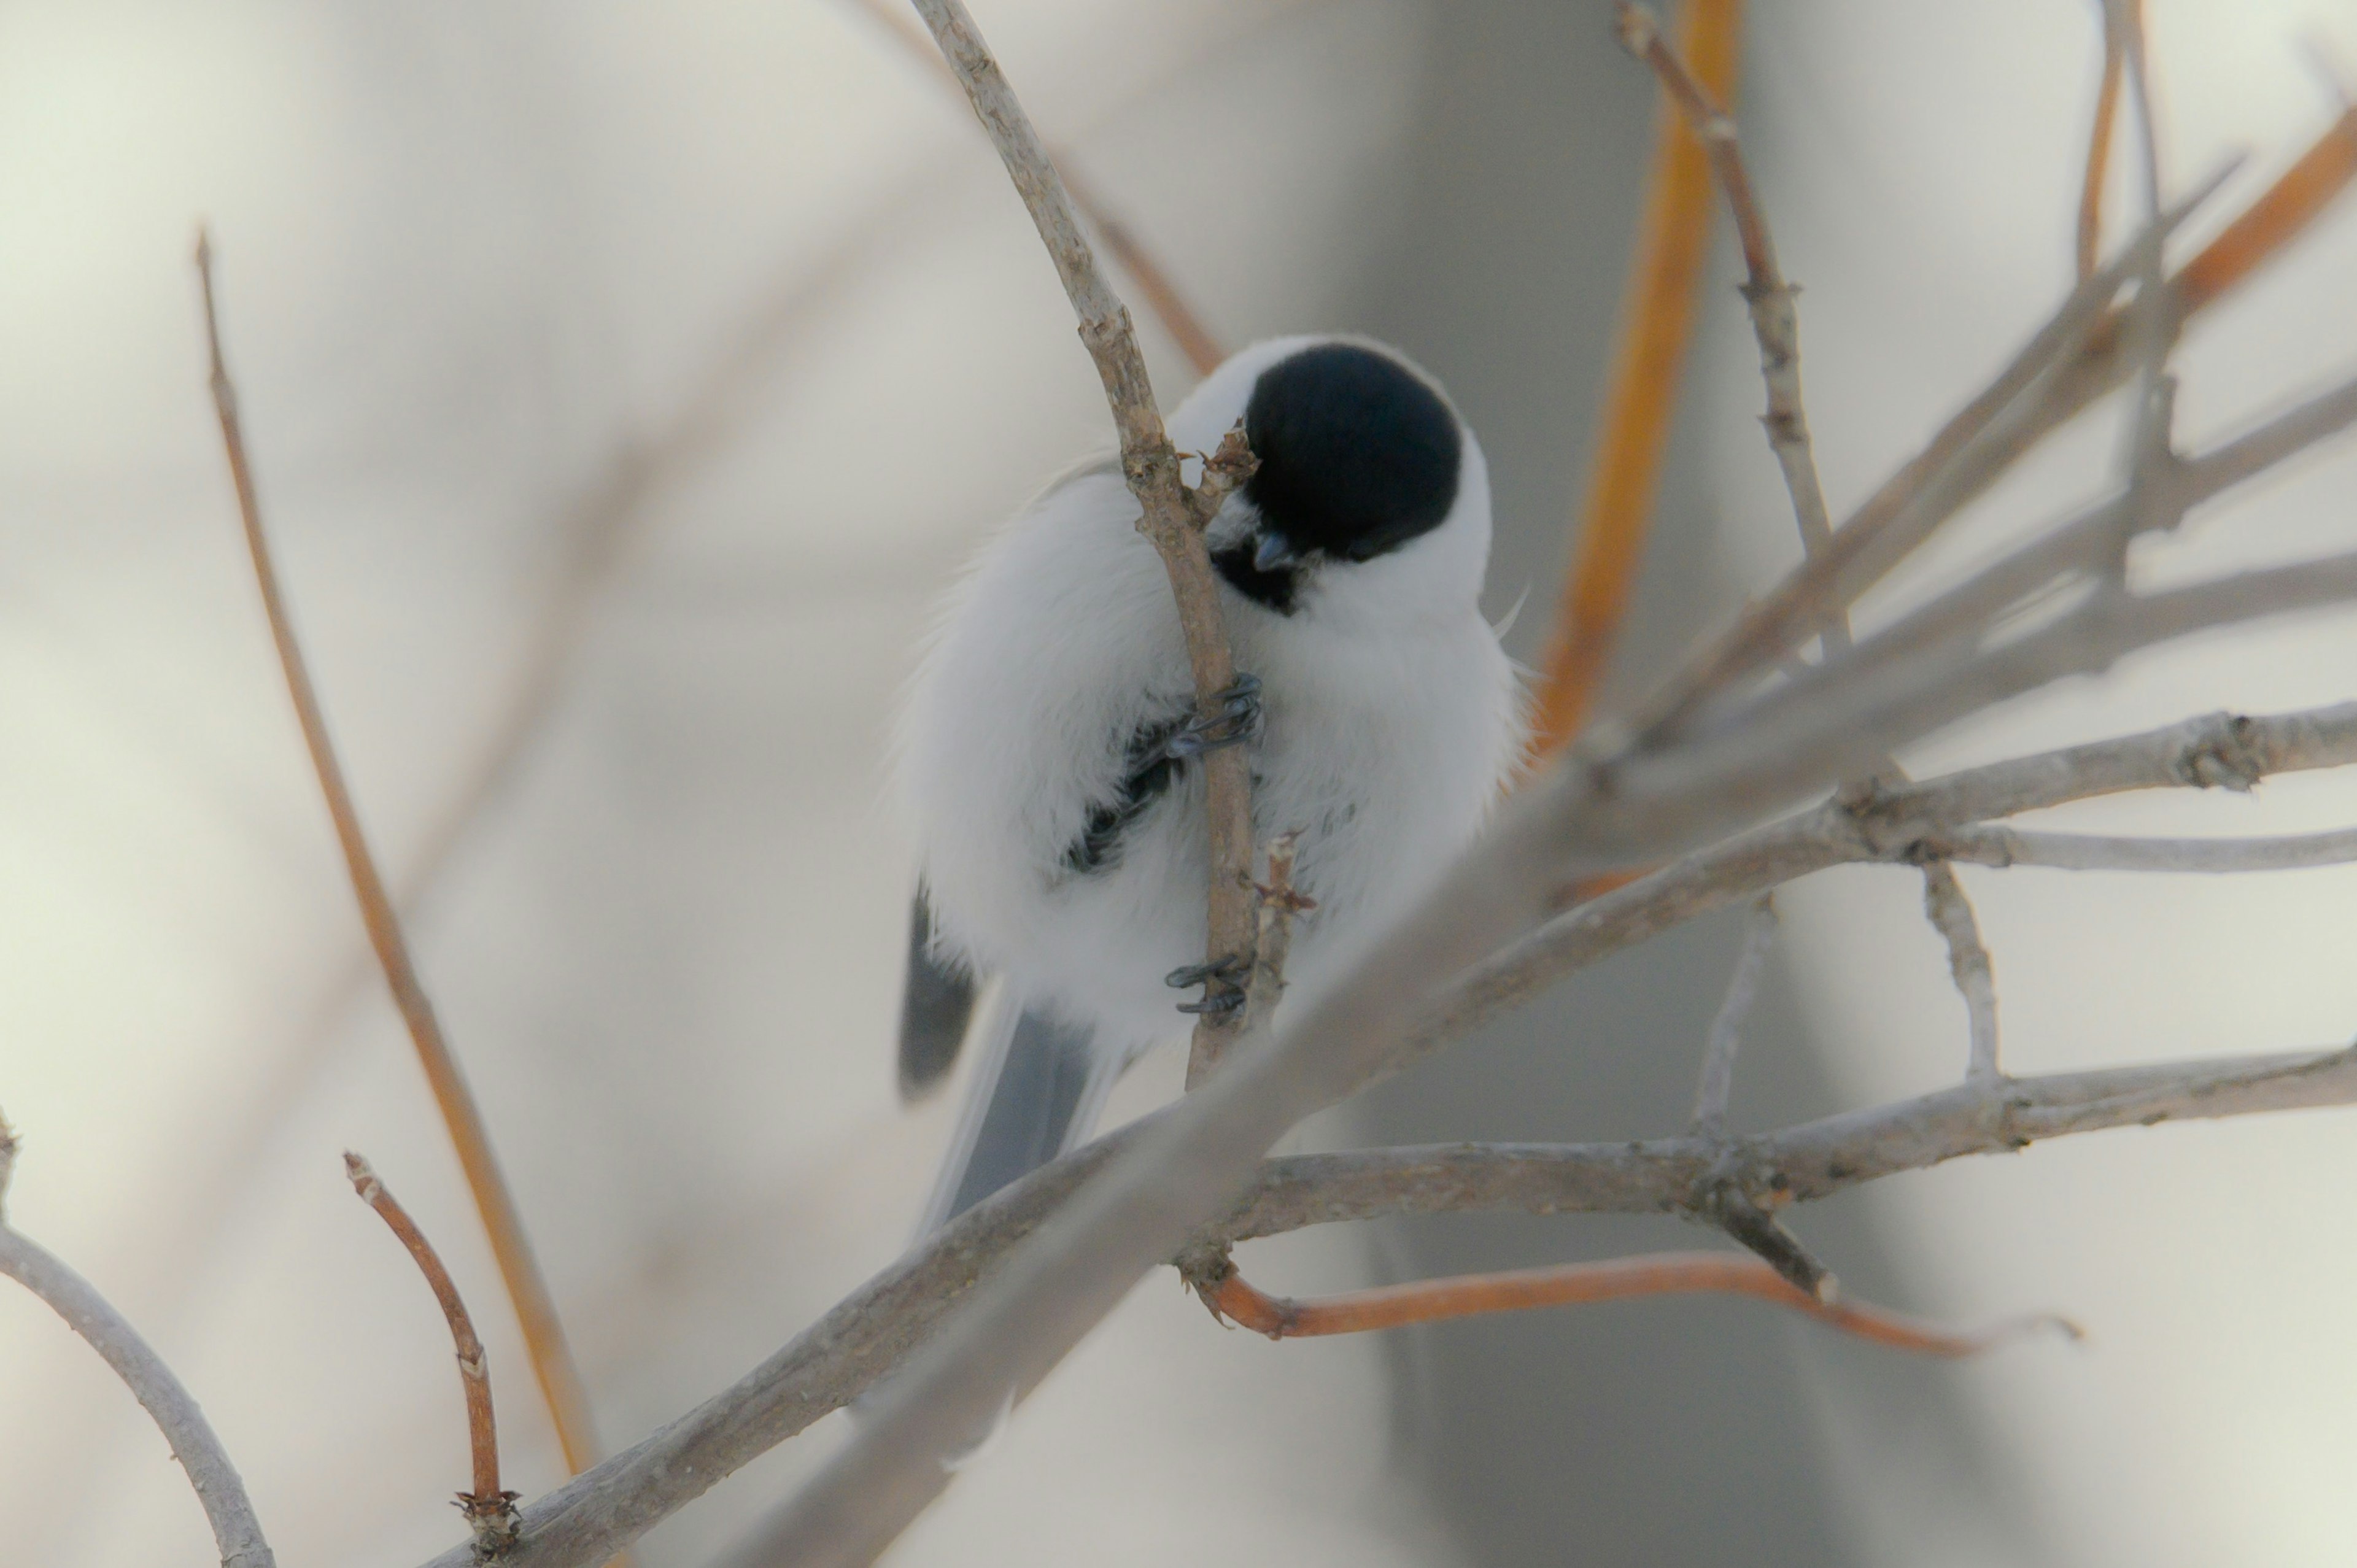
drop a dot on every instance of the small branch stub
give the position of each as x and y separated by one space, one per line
490 1508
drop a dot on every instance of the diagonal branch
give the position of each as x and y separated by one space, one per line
536 1309
236 1533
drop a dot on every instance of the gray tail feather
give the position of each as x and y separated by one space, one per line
1037 1087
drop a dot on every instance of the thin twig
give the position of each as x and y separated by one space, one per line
2125 17
1799 1164
490 1508
1726 1029
1172 517
1611 1279
1641 396
2095 852
1951 914
1154 283
535 1309
2098 143
219 1489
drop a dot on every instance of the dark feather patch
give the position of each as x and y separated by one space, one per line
936 1001
1147 773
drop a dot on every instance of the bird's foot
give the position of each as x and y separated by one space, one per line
1234 719
1221 982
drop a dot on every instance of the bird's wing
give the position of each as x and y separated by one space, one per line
936 1004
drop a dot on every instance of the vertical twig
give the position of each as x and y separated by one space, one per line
551 1360
1775 316
237 1533
1640 395
1968 962
1171 516
2098 143
1726 1029
490 1508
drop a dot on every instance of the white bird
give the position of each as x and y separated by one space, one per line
1049 753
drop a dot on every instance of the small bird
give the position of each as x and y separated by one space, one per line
1051 752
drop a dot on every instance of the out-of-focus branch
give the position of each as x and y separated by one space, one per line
2099 145
1640 390
490 1508
2095 852
1717 1081
2280 215
1951 914
1611 1279
1162 295
551 1360
236 1531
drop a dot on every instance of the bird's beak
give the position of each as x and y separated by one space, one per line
1274 551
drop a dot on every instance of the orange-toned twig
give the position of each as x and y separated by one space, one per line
552 1361
1578 1285
2099 148
1657 319
1153 285
490 1508
2275 220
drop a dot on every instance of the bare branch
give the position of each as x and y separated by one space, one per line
2099 145
1775 317
2095 852
236 1531
490 1508
1611 1279
1727 1028
1889 824
2028 400
878 1327
1797 1164
1951 914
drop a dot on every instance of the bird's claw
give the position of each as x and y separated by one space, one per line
1234 719
1222 992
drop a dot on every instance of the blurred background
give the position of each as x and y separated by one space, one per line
624 385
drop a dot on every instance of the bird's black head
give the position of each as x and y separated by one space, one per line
1357 456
